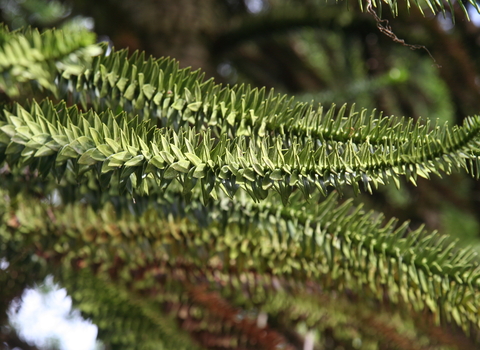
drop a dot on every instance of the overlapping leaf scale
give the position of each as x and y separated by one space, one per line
253 293
340 246
157 90
372 254
31 56
128 153
174 97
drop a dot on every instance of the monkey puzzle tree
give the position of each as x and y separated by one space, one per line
179 213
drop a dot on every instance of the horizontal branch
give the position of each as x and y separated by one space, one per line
339 246
127 154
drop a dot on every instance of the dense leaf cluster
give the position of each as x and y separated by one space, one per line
209 195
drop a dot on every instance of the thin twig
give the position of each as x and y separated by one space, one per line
384 26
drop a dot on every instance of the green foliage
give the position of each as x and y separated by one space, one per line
340 245
245 142
125 322
433 7
166 193
28 56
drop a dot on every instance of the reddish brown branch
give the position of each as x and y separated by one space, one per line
262 338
